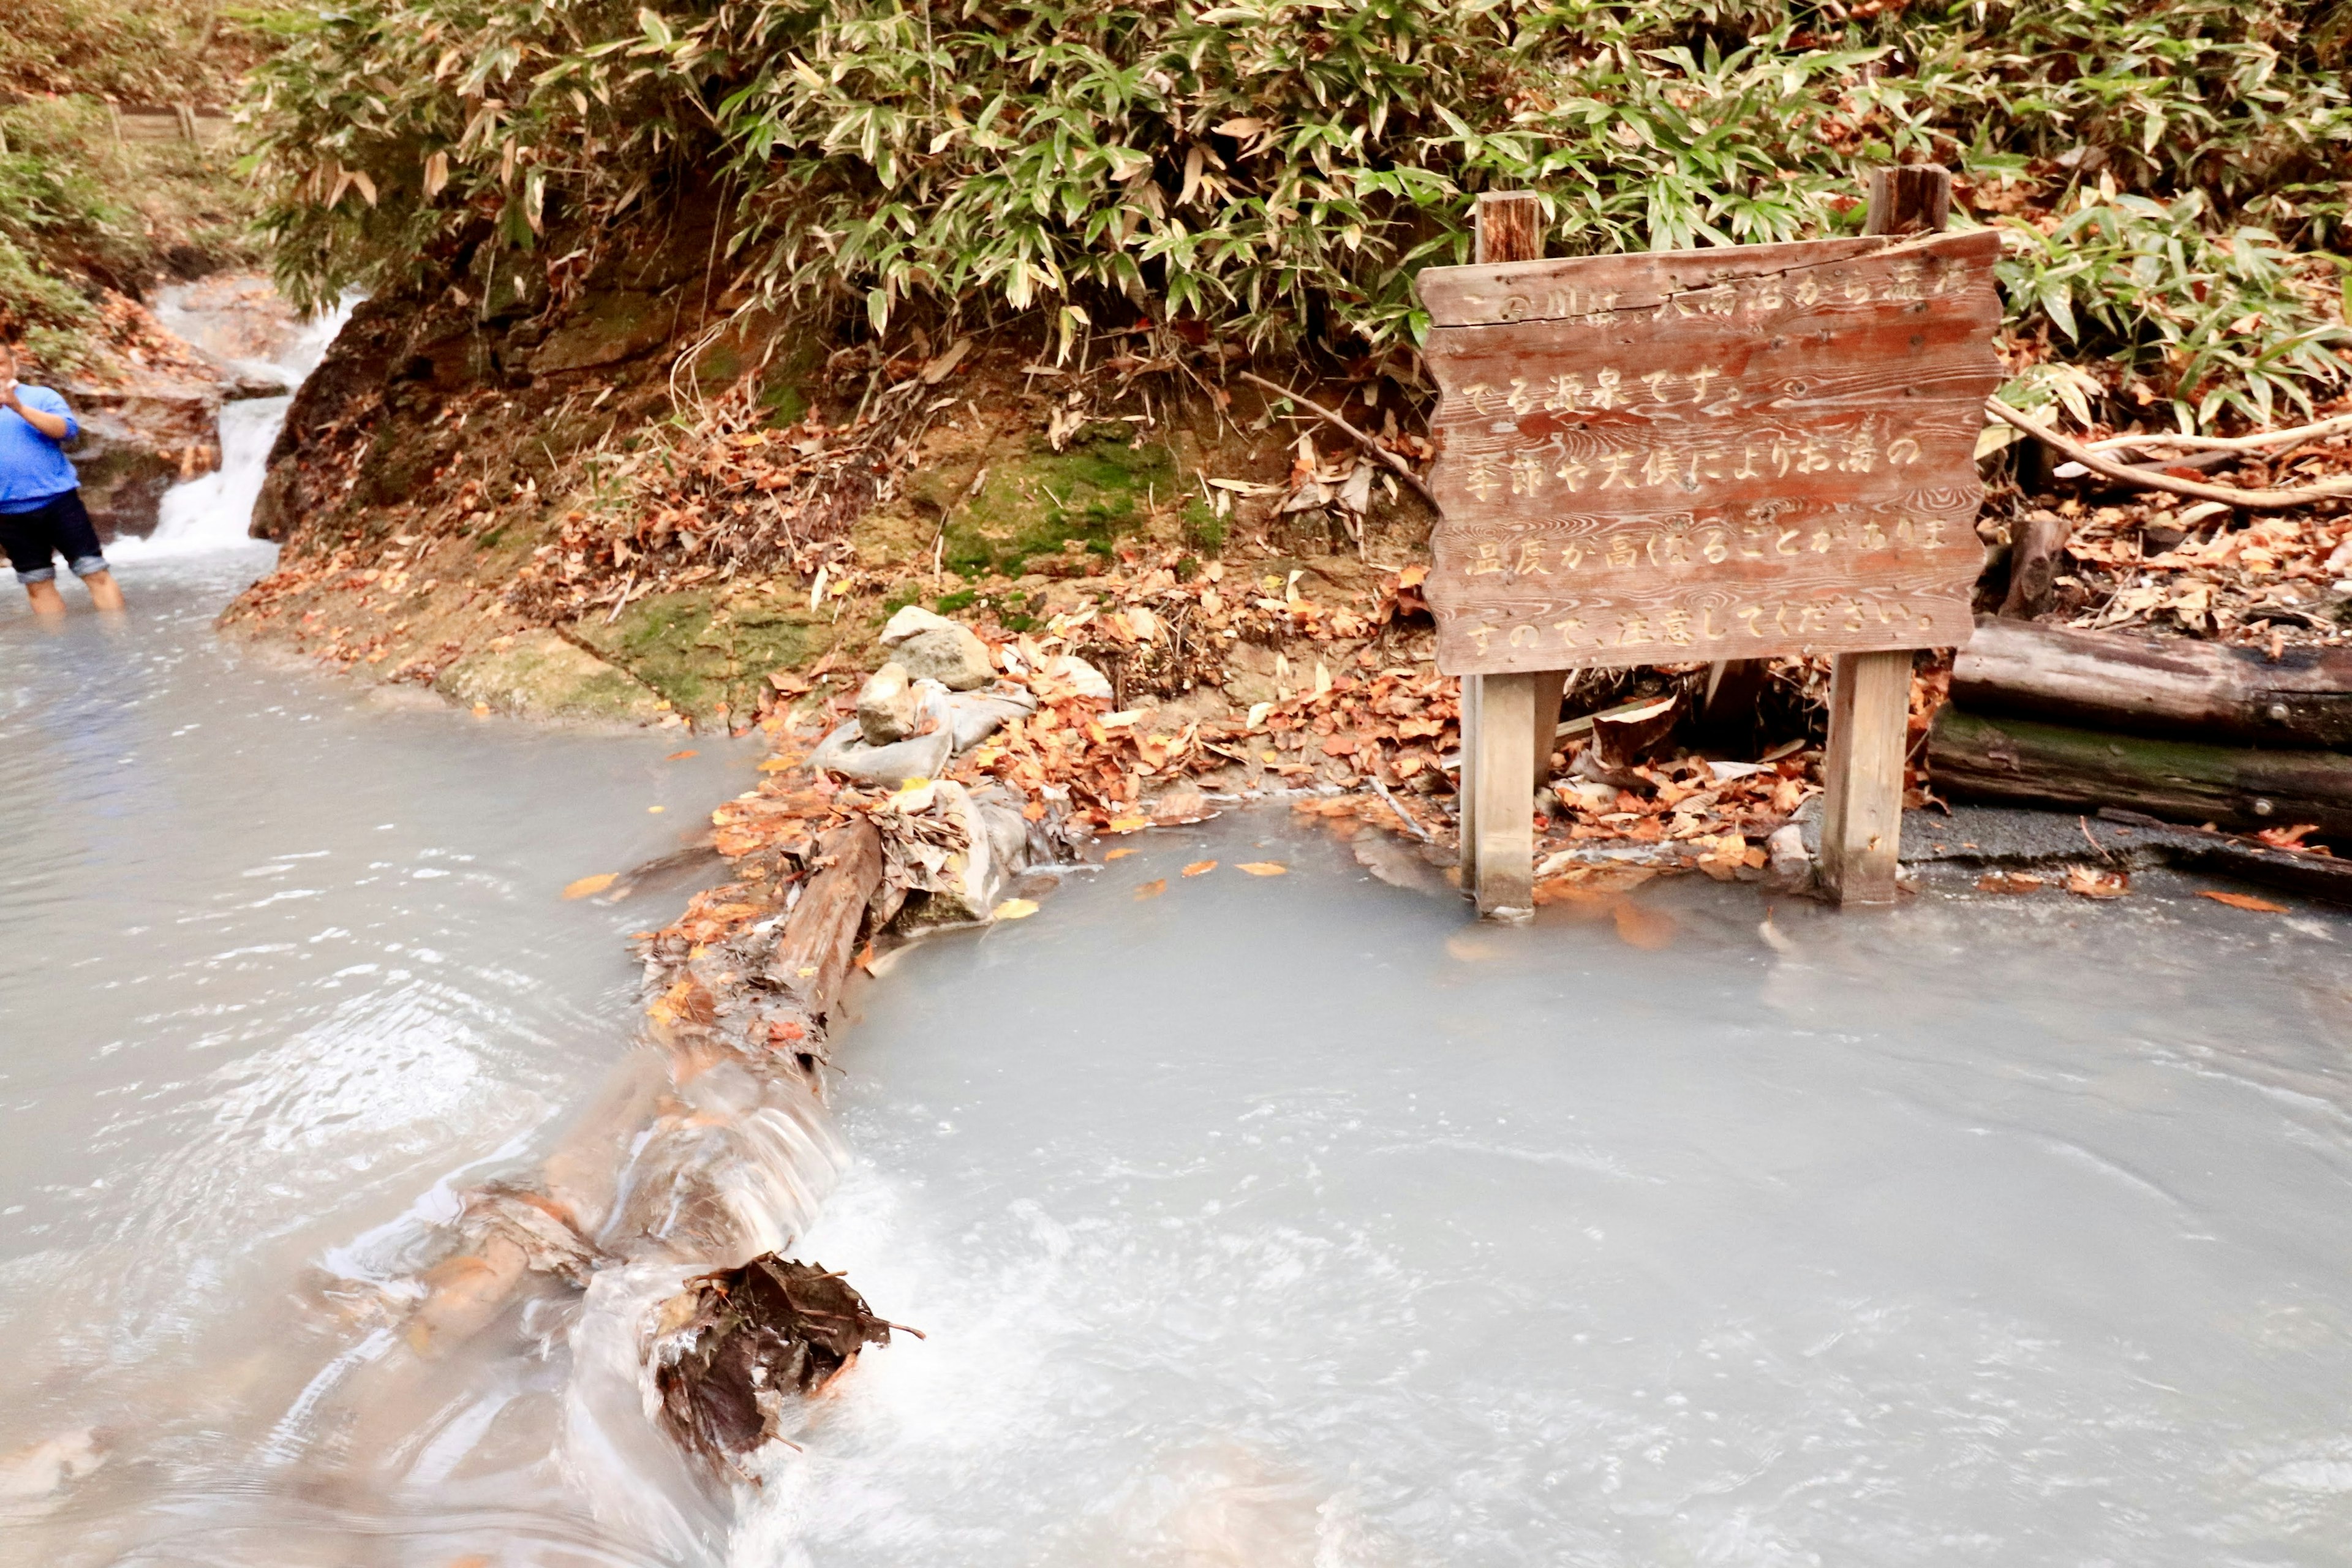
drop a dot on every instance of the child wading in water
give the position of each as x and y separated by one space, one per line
41 514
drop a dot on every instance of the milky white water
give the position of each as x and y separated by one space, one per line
281 966
1268 1221
1298 1221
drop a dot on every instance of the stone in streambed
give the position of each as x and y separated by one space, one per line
538 675
1788 868
887 708
934 648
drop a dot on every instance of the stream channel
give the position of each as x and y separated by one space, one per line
1266 1221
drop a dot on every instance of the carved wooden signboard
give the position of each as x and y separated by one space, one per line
1710 454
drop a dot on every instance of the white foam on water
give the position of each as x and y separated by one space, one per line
213 512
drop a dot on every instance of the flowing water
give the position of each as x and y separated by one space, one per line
1291 1220
1262 1220
282 965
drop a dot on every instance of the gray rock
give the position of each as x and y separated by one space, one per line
963 884
949 655
976 715
1788 870
844 751
934 647
887 708
910 620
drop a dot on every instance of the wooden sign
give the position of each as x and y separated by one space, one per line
1712 453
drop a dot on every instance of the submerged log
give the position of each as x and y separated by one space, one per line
1972 756
2154 686
820 940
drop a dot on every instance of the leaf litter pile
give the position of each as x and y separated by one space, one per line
736 1342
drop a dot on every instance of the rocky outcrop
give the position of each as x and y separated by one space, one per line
139 438
148 425
538 675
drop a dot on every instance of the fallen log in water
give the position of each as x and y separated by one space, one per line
2156 686
1971 755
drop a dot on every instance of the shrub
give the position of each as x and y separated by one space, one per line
1278 168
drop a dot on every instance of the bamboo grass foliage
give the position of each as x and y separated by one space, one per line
2173 177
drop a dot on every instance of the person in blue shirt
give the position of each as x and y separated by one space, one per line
41 514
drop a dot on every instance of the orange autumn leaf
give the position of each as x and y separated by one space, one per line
1199 868
1643 928
1151 890
2243 901
2086 881
589 887
1264 868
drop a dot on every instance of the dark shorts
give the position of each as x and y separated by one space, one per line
58 527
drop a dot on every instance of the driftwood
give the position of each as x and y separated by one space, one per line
2151 686
1975 757
1396 465
813 960
2033 562
820 940
2153 479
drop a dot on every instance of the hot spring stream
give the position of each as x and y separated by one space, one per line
1268 1221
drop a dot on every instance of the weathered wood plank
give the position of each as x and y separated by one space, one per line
1509 232
1862 776
1799 440
2158 686
1870 693
820 936
1578 288
1503 818
1975 757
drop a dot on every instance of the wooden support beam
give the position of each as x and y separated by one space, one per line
1507 724
1870 693
1862 773
1550 686
1466 787
1503 832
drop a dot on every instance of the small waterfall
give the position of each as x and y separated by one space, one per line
212 511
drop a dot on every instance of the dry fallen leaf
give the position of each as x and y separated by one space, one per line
1473 946
675 756
2243 901
2089 882
1013 910
1116 854
589 887
1151 890
2009 882
1264 868
1199 868
1643 928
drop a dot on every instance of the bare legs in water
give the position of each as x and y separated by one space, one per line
105 594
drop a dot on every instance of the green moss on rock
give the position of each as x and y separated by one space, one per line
538 675
698 649
1099 488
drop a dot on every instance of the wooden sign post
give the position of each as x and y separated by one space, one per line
1711 455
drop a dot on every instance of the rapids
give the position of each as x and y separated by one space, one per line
1272 1221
